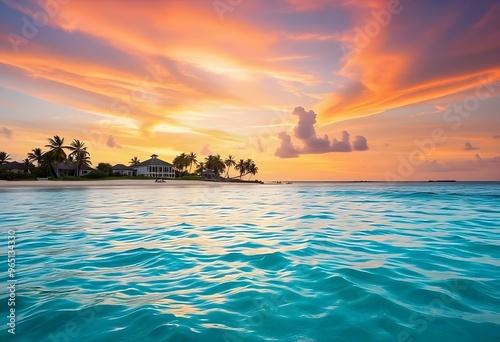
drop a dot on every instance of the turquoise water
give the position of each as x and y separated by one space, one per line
307 262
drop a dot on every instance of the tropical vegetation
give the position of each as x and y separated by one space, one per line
134 161
105 168
59 160
79 155
4 157
48 162
215 166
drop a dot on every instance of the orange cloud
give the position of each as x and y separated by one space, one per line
382 75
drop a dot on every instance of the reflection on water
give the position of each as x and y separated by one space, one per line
303 262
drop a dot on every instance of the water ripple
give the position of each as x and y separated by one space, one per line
305 262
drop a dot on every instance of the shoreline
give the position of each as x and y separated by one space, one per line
107 183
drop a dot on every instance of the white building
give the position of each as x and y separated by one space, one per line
123 170
155 168
68 169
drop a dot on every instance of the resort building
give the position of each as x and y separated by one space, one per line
209 175
155 168
15 167
68 169
123 170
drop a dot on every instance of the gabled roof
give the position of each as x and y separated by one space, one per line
121 167
14 166
154 162
71 167
65 166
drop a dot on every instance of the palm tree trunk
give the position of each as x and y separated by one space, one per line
52 172
56 170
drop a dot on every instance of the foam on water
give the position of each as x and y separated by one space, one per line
307 262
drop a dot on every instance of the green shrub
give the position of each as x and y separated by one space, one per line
38 172
94 174
192 177
66 178
8 175
106 168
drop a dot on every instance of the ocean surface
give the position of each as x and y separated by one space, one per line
306 262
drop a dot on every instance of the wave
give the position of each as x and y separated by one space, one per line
311 263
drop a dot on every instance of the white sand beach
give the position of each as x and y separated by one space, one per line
105 183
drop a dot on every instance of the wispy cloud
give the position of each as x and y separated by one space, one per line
6 132
468 147
459 166
111 143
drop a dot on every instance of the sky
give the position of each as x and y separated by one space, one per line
309 89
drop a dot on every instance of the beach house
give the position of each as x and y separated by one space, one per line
15 167
123 170
155 168
69 169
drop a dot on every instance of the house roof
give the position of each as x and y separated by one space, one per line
64 167
121 167
70 167
154 162
14 166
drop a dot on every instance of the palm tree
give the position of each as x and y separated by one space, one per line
248 164
57 153
134 161
191 158
46 164
229 162
181 162
82 160
4 157
76 147
215 164
79 155
185 161
28 163
252 170
250 167
36 156
241 167
200 168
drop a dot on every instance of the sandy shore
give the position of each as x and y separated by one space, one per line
105 183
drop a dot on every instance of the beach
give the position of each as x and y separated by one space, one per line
108 183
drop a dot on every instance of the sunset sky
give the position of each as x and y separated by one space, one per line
309 89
